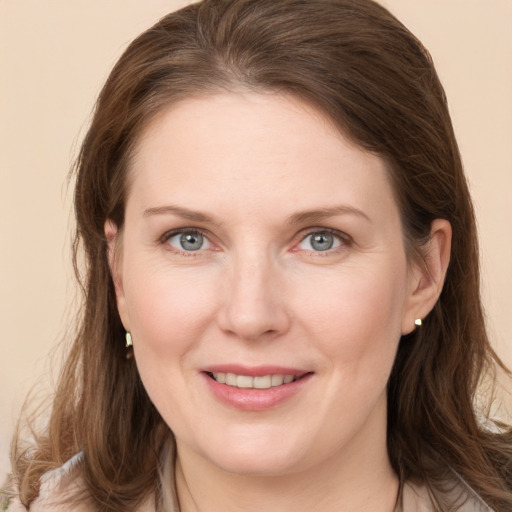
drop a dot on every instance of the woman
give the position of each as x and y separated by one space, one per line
275 218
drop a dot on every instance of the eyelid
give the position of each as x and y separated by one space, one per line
173 232
164 239
341 235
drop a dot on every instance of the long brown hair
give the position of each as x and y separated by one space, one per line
353 61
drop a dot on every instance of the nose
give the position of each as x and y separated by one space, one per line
255 305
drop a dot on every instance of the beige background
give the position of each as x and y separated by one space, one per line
55 56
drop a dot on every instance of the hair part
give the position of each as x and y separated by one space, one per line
359 66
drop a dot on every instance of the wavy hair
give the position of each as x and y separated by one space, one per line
356 63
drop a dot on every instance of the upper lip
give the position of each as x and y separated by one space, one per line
254 371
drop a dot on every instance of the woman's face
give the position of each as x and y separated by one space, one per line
262 248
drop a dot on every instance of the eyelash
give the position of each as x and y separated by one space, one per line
344 239
164 240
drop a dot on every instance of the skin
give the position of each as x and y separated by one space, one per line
259 293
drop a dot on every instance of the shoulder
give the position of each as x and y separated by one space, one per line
57 488
418 498
64 489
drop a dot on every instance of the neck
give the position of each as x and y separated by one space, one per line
357 478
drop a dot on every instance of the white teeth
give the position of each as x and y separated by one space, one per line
230 379
248 382
244 381
263 382
277 380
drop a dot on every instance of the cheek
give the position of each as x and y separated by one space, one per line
168 309
357 318
169 314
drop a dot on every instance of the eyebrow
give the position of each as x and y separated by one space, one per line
180 212
308 216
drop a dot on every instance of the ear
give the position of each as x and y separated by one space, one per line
426 277
113 236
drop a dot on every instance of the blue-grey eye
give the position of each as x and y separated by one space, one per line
189 241
320 241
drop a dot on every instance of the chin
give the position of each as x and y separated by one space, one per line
265 457
257 465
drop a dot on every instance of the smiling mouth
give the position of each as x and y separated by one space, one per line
249 382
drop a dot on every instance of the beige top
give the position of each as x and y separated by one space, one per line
64 480
417 499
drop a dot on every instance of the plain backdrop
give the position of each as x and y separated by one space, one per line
54 57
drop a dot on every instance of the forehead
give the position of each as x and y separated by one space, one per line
252 148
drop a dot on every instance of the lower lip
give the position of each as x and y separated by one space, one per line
255 399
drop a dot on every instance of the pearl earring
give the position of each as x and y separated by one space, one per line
418 322
129 342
